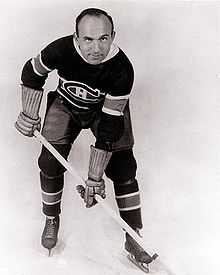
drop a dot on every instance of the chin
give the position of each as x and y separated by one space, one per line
94 62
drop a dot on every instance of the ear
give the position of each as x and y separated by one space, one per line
113 35
76 37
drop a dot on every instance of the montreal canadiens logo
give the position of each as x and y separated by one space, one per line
82 92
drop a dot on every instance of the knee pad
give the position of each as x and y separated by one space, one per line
51 184
123 188
122 166
128 200
49 165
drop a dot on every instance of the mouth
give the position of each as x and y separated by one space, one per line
96 56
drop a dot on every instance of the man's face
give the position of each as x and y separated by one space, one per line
95 38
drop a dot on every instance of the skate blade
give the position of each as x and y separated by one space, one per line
144 267
49 252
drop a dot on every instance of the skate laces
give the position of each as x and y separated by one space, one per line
50 228
134 245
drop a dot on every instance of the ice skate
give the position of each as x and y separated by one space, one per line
50 232
137 255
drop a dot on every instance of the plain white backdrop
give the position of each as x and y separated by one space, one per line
174 47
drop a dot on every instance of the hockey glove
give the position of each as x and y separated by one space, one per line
95 184
93 188
28 120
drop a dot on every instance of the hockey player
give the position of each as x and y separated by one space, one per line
95 81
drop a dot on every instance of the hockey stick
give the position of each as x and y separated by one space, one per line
102 203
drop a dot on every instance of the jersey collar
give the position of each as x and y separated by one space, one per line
114 49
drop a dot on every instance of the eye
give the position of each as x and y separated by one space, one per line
104 38
88 39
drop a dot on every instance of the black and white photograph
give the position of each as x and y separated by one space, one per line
110 137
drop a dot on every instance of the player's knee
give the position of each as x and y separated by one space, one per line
49 165
122 166
126 187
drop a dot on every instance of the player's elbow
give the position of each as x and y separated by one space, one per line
110 130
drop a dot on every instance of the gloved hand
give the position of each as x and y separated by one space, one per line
95 184
28 120
92 189
26 125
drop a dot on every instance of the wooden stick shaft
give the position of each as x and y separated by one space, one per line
102 203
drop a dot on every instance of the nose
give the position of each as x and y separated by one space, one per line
96 46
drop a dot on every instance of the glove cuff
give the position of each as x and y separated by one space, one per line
98 162
92 183
27 119
31 101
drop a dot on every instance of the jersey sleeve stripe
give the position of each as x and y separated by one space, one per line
38 66
43 65
114 105
34 67
111 112
108 96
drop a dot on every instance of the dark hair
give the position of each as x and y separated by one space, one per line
93 12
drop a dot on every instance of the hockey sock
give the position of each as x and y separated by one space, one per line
52 189
128 200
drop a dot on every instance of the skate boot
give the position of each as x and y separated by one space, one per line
137 254
50 232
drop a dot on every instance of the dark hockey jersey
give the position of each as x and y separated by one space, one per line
106 85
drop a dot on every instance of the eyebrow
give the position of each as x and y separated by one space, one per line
88 37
